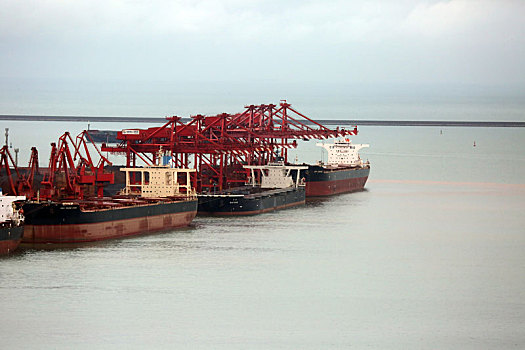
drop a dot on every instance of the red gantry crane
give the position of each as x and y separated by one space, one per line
72 174
218 146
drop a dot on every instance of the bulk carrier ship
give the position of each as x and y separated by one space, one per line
278 189
343 172
11 222
154 199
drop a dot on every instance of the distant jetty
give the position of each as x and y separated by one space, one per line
343 122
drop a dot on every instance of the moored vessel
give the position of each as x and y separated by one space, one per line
11 222
155 198
343 172
279 186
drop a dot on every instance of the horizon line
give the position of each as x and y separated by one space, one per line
367 122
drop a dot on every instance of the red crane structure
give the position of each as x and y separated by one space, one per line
67 178
218 146
6 161
25 184
19 181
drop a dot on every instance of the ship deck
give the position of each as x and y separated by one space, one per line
117 202
246 192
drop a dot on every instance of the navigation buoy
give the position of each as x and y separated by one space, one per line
474 143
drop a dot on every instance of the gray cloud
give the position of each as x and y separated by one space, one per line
376 42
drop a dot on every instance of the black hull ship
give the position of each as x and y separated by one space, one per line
330 180
70 222
277 189
143 207
344 171
247 201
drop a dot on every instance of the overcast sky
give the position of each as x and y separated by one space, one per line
319 41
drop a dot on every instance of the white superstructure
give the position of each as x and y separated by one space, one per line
343 152
8 211
276 175
158 182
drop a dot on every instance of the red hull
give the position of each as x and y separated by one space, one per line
8 246
328 188
90 232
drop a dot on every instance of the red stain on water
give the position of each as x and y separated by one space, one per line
453 183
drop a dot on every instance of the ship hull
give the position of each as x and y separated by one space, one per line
10 238
55 223
252 204
322 182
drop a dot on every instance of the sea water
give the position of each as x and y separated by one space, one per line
429 256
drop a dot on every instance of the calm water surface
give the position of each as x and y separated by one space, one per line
430 256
